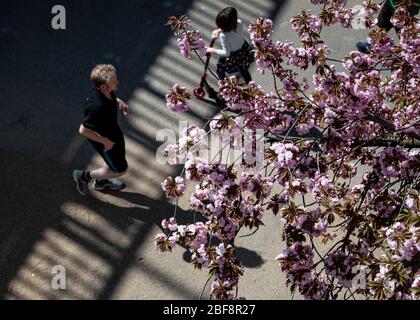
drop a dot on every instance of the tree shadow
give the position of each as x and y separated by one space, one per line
157 210
248 258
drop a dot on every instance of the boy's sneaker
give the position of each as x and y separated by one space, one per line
111 184
364 47
80 184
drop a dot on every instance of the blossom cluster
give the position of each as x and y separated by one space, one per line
191 40
177 99
341 163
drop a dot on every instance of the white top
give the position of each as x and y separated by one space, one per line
232 41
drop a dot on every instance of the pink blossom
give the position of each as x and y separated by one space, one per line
231 89
413 201
296 257
163 243
173 188
339 265
391 160
310 223
260 30
322 188
287 155
171 153
193 142
191 41
346 174
170 224
410 248
177 99
203 259
196 169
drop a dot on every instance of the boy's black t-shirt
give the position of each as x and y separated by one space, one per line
101 115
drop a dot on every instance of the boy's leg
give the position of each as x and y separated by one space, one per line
105 173
81 178
105 179
116 167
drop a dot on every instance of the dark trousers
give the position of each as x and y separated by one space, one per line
385 15
221 72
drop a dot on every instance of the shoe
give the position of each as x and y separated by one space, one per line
364 47
80 184
112 184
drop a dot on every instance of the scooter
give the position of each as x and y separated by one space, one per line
204 87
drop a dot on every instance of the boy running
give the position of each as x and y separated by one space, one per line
101 128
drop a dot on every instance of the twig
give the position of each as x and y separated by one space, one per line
202 291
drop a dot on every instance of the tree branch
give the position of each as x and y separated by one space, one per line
391 142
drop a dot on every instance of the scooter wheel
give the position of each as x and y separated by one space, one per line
199 93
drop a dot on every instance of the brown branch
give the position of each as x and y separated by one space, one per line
384 123
390 142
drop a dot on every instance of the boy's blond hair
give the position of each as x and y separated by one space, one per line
101 74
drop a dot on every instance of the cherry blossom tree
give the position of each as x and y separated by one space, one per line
341 164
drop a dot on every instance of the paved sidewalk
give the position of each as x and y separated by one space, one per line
105 241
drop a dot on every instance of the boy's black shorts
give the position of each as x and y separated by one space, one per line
385 15
114 158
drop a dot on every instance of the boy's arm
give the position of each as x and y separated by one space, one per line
122 106
94 136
